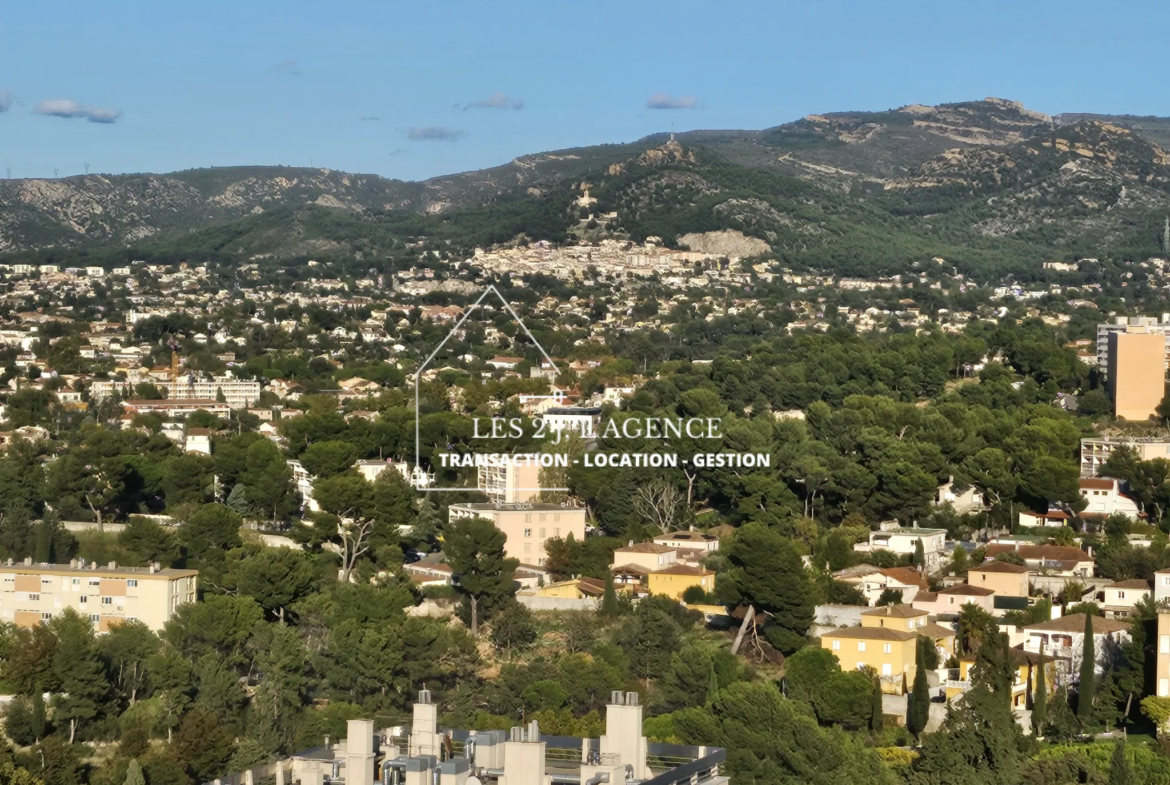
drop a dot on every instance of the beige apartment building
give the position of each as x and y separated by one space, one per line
1162 674
32 594
526 526
1137 373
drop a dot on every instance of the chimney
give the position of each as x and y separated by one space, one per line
112 565
27 561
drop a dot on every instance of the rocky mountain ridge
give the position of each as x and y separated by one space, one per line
979 169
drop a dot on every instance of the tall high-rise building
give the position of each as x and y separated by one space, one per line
1136 373
1131 324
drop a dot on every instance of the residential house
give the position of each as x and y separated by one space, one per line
1027 666
649 556
872 581
1064 638
1119 599
963 501
573 589
673 581
888 650
1104 498
1003 578
950 601
1061 560
198 440
689 540
1052 519
904 541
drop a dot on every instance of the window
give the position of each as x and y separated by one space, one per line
132 583
528 532
861 645
542 517
1121 595
528 547
107 600
951 600
83 599
556 517
887 648
528 517
557 531
46 616
1163 688
887 669
77 581
542 534
861 666
836 645
34 597
1164 644
1166 580
93 617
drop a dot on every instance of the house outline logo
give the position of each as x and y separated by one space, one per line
418 477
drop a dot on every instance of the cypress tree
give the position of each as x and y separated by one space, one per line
919 710
1085 687
609 603
1039 700
876 714
919 554
712 685
1120 771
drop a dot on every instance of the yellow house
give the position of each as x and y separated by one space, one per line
573 589
906 618
1027 664
888 650
1003 578
673 581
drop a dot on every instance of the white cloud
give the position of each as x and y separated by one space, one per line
667 101
63 107
496 101
435 133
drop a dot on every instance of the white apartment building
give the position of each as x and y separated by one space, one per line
1094 452
526 526
510 483
32 594
237 393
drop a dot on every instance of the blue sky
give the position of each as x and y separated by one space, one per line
133 86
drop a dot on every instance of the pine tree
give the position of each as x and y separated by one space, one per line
609 603
1166 237
1085 687
1040 700
1120 770
919 710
